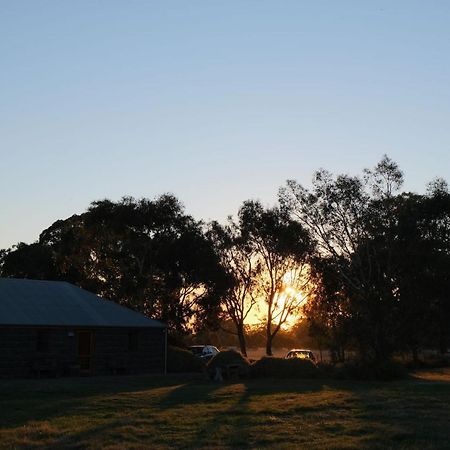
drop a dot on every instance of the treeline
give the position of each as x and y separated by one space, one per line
367 264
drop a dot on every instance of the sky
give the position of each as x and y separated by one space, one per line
214 101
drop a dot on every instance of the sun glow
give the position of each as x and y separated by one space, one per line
288 297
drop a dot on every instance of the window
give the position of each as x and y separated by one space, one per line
133 341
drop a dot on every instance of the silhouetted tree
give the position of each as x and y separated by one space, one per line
244 270
341 215
148 255
28 261
328 309
281 247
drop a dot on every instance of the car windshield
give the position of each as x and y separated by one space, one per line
299 354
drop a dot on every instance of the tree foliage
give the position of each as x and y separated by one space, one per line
243 269
372 260
379 274
145 254
281 247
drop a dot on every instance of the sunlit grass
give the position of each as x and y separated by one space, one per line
180 412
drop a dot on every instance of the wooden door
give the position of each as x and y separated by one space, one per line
85 351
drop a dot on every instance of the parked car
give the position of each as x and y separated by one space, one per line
204 352
301 354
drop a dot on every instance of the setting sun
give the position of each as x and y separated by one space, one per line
288 297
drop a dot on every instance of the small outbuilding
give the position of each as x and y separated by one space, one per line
53 328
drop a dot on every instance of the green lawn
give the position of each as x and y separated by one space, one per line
191 412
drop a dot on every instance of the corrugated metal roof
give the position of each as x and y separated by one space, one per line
57 303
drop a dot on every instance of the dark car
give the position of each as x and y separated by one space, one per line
204 352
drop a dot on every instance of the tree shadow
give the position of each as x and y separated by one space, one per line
406 413
189 393
44 399
240 406
237 418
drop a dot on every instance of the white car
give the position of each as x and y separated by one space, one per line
204 352
301 353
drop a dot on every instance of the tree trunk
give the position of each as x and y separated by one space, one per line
269 344
269 336
241 337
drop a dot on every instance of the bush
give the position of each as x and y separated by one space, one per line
359 370
326 369
268 366
181 360
229 362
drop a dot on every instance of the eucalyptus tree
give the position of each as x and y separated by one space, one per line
28 261
344 219
436 233
243 269
145 254
328 309
385 179
282 248
157 260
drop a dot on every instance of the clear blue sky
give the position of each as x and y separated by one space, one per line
214 101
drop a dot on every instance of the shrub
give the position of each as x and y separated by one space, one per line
226 362
268 366
326 369
362 370
181 360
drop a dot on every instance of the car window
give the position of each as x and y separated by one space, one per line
300 354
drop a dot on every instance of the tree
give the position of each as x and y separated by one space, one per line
385 179
328 309
28 261
243 269
381 271
145 254
281 247
344 220
436 234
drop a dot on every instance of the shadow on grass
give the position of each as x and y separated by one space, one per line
370 411
41 400
189 411
189 393
230 426
405 413
38 400
203 391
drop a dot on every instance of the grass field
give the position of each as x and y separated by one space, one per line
191 412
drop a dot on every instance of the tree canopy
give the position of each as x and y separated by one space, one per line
364 262
145 254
